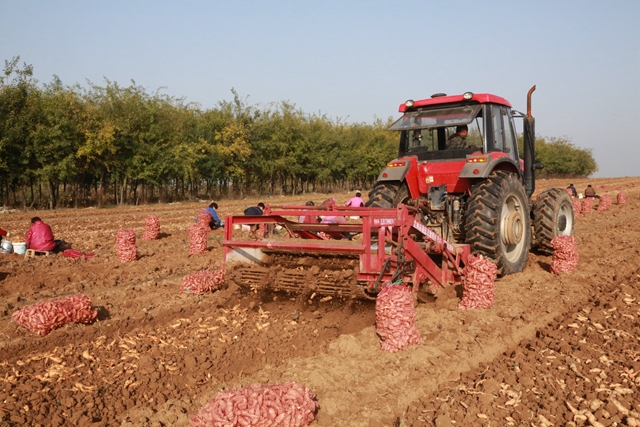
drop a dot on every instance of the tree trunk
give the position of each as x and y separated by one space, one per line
123 188
52 195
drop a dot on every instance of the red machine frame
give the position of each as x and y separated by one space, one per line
412 252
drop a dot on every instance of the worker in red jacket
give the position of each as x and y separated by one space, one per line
4 234
40 237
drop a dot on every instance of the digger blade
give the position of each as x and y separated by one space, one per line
297 281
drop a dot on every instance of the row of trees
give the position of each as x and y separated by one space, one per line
73 146
62 145
561 158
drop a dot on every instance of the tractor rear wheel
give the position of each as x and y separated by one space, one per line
497 222
388 195
552 216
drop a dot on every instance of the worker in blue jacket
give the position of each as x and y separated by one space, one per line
215 222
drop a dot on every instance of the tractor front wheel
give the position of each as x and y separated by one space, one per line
552 217
497 222
388 195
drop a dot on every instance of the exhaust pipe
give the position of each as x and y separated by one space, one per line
529 148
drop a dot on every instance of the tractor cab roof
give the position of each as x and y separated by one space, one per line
445 116
440 99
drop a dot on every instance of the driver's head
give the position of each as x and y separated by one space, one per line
462 130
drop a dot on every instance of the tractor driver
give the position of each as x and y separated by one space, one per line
459 139
417 138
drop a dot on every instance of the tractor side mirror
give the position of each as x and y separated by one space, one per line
538 166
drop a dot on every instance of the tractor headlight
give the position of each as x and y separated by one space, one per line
467 95
409 103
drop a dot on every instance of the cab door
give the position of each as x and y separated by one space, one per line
509 133
502 132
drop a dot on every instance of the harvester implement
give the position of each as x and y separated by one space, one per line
352 259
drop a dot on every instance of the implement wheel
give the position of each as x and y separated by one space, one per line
552 216
388 195
497 222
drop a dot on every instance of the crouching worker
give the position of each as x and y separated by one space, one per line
356 202
255 210
255 228
40 237
215 222
590 192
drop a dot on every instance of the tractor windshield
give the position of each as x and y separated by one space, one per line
440 117
448 132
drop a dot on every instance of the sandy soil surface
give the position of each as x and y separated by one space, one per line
552 351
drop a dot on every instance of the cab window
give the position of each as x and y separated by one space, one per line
496 121
423 138
510 145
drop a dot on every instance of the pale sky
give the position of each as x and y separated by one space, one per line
356 60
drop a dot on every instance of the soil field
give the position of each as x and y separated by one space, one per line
554 350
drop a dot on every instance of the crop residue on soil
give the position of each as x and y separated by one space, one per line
553 349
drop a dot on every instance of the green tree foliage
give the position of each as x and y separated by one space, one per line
17 88
55 137
561 158
71 146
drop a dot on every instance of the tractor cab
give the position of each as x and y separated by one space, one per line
473 188
427 126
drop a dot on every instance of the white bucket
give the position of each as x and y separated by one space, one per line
20 248
7 247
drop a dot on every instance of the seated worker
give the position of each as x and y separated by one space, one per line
4 233
417 138
309 219
335 219
572 190
590 192
215 222
459 139
332 219
40 237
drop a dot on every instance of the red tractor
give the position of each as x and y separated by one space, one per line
478 192
430 209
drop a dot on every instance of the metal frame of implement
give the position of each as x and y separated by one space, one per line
411 251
